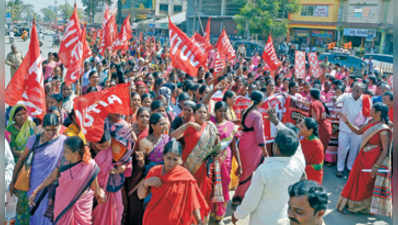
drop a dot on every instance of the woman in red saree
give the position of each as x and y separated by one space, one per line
368 188
318 111
312 149
77 185
176 198
200 139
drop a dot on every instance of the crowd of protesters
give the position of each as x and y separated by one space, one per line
186 144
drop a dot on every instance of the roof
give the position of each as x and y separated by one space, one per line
164 22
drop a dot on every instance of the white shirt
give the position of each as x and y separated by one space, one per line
352 109
9 164
267 198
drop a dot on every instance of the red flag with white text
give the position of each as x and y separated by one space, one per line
225 47
219 62
122 42
75 71
27 84
201 42
184 54
92 109
299 64
269 55
70 44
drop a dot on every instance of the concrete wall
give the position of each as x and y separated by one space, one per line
333 9
363 11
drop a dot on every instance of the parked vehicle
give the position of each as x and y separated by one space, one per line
381 63
343 59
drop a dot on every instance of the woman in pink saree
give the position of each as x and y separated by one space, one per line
251 145
76 177
226 131
115 164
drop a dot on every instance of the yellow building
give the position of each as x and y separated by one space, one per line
315 23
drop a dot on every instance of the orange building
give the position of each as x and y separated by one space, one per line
315 23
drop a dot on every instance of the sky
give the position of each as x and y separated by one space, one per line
39 4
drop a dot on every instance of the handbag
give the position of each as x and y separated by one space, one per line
22 182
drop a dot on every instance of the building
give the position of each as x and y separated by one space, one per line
164 8
221 13
368 24
315 23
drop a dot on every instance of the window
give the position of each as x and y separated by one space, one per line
177 8
307 10
164 7
315 10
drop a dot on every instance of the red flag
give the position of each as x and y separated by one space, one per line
86 47
219 63
207 32
201 42
184 54
122 42
314 64
27 85
109 32
269 55
299 64
92 109
75 71
70 43
225 47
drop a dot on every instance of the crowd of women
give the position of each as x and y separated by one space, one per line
177 156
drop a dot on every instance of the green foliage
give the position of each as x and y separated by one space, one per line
93 6
264 17
17 8
66 11
49 14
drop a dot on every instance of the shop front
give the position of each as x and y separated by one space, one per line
368 39
313 37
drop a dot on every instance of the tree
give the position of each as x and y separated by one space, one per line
93 6
66 11
49 14
264 17
15 7
27 12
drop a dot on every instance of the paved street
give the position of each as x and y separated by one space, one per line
332 184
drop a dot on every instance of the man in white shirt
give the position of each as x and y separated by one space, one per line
307 204
266 199
349 142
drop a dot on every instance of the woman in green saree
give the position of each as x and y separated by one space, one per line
21 127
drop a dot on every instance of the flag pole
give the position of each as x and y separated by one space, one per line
109 68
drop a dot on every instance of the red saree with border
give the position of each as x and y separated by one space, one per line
358 191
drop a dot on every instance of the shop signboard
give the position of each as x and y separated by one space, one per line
322 34
355 32
321 11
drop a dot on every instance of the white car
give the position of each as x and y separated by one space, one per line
381 63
